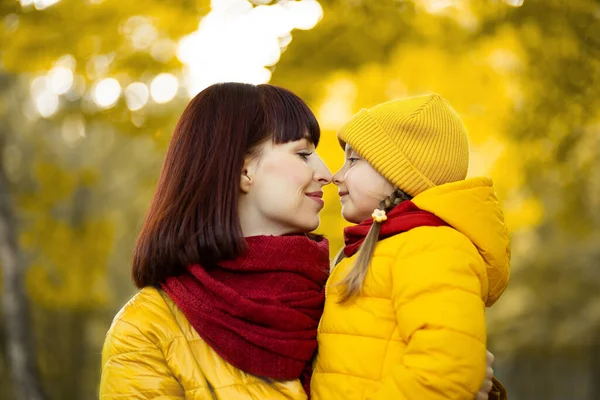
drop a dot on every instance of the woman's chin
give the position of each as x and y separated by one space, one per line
302 229
312 226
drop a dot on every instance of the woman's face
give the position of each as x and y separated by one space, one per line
361 187
282 189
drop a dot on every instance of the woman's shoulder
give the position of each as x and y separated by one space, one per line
146 305
147 316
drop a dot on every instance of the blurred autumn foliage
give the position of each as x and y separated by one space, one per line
79 169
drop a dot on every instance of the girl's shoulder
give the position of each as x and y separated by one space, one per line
425 239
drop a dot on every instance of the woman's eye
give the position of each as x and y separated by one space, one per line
352 160
304 156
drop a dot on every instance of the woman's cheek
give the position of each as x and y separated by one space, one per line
287 168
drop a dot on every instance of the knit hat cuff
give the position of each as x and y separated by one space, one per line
367 138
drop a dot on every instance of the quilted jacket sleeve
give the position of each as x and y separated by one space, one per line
134 367
437 296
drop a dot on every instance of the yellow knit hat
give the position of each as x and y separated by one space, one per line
415 143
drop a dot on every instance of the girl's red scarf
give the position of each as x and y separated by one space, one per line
260 312
401 218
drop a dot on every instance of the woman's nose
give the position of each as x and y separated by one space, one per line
322 173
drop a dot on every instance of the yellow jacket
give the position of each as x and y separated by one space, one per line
417 331
152 352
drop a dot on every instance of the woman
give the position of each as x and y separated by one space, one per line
231 282
240 178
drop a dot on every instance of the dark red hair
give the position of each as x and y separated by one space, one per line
193 217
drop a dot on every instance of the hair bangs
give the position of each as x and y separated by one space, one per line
287 117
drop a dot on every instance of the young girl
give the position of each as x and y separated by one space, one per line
404 310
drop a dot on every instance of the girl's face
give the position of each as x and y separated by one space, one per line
361 187
282 189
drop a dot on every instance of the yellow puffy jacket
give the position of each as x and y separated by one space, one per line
152 352
417 331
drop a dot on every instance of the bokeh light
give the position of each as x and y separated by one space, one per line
106 92
437 6
136 96
164 87
514 3
236 41
39 85
38 4
143 36
163 50
43 4
46 103
61 79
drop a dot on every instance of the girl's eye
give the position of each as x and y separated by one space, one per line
352 160
304 156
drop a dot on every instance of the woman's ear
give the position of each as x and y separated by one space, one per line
247 175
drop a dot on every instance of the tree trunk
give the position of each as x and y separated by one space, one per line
595 367
20 350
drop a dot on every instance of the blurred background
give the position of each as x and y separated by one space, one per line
90 91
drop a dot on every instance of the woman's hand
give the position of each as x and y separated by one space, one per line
487 385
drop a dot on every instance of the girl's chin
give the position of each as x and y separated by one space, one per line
352 218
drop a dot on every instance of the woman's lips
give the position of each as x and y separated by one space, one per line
317 196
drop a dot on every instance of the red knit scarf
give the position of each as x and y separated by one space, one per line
260 312
401 218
